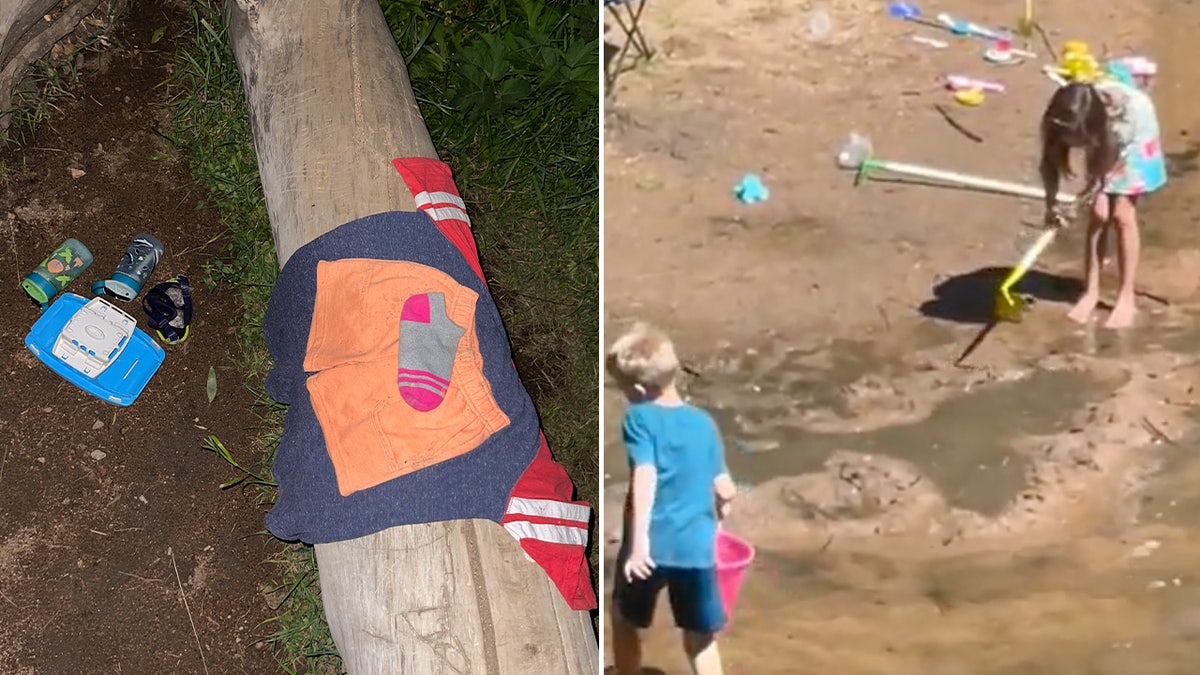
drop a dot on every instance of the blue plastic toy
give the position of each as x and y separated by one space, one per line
750 190
904 10
96 347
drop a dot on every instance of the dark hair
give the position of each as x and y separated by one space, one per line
1076 117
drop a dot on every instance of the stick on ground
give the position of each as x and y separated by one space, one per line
183 596
955 123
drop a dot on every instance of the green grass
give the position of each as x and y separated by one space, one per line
509 90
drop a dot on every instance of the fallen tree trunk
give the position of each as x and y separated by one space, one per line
331 105
28 29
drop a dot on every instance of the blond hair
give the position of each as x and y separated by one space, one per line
643 356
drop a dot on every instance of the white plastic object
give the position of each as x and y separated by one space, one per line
820 25
94 337
930 42
969 28
858 149
1053 73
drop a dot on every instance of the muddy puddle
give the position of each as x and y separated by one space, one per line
965 446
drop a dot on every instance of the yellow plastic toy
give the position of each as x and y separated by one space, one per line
1077 63
1026 24
1009 307
971 97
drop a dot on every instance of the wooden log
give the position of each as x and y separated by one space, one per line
27 31
331 105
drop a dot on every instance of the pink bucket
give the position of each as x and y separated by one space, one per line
734 556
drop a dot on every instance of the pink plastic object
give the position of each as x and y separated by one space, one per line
734 556
960 82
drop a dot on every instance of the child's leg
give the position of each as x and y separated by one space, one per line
626 645
702 653
1128 251
1092 260
632 609
696 604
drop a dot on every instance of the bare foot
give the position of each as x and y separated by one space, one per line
1121 316
1082 311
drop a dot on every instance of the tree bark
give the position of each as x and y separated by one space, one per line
26 36
331 105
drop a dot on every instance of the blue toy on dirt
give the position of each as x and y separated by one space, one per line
96 347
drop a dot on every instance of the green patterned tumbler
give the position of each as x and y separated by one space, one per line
68 261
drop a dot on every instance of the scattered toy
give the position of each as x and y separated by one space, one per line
1077 64
930 42
961 82
969 97
751 190
1026 24
1002 52
96 347
1009 307
1055 76
857 155
904 10
963 27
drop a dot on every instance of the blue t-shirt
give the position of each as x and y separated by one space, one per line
683 445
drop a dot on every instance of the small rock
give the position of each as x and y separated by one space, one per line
77 173
99 455
1145 549
97 425
142 499
1157 583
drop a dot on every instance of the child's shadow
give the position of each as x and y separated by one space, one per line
970 298
612 670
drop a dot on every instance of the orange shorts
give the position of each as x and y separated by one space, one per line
371 433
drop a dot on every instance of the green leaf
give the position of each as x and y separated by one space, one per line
514 90
212 383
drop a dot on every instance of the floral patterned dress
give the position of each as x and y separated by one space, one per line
1142 168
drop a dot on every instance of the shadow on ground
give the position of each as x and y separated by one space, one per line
969 298
1183 162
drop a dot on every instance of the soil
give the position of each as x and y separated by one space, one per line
119 553
1030 510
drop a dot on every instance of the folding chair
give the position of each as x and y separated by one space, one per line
627 14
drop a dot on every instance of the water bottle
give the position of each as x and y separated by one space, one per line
134 270
68 261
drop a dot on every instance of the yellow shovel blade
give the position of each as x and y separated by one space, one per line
1008 307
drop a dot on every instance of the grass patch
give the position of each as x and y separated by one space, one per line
509 90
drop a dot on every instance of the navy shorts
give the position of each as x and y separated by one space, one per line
693 593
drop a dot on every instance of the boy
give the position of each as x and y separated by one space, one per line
670 524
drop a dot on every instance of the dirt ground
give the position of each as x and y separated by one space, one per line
99 505
1030 512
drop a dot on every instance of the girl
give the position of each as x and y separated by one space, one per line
1116 125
